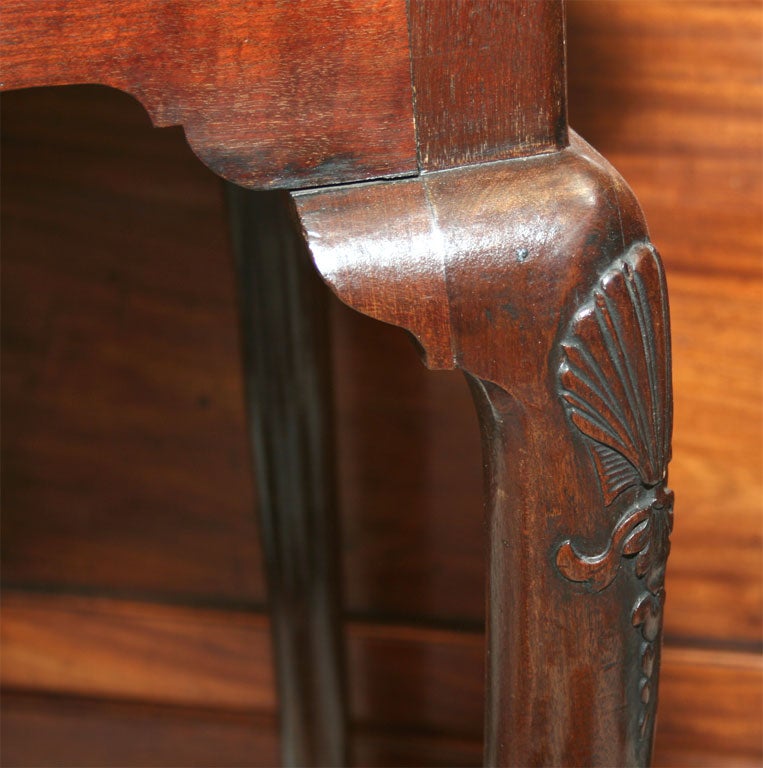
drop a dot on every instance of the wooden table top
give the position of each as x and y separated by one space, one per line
303 94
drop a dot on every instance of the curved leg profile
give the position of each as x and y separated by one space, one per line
537 279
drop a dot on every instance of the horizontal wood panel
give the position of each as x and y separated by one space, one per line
125 458
724 722
665 78
716 471
61 731
268 94
403 680
115 649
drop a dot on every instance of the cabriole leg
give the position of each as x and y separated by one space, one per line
536 277
578 520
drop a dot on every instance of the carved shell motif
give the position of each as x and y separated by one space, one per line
615 378
615 384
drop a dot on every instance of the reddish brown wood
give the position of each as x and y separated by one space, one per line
119 649
269 94
60 731
64 731
694 75
536 279
309 94
489 79
411 712
155 252
287 364
122 361
497 256
407 445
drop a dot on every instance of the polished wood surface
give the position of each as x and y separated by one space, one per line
269 94
147 539
670 74
486 266
677 110
709 708
488 79
107 734
295 95
305 599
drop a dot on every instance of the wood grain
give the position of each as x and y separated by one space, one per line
489 79
416 692
678 112
74 283
122 367
67 731
486 266
426 565
305 95
678 119
269 94
724 722
97 647
403 565
662 79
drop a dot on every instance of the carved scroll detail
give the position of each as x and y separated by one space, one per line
615 384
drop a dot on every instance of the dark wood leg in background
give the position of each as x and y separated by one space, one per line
537 279
287 378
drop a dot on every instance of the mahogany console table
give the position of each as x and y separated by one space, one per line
430 173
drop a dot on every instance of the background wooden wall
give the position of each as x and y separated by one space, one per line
134 629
